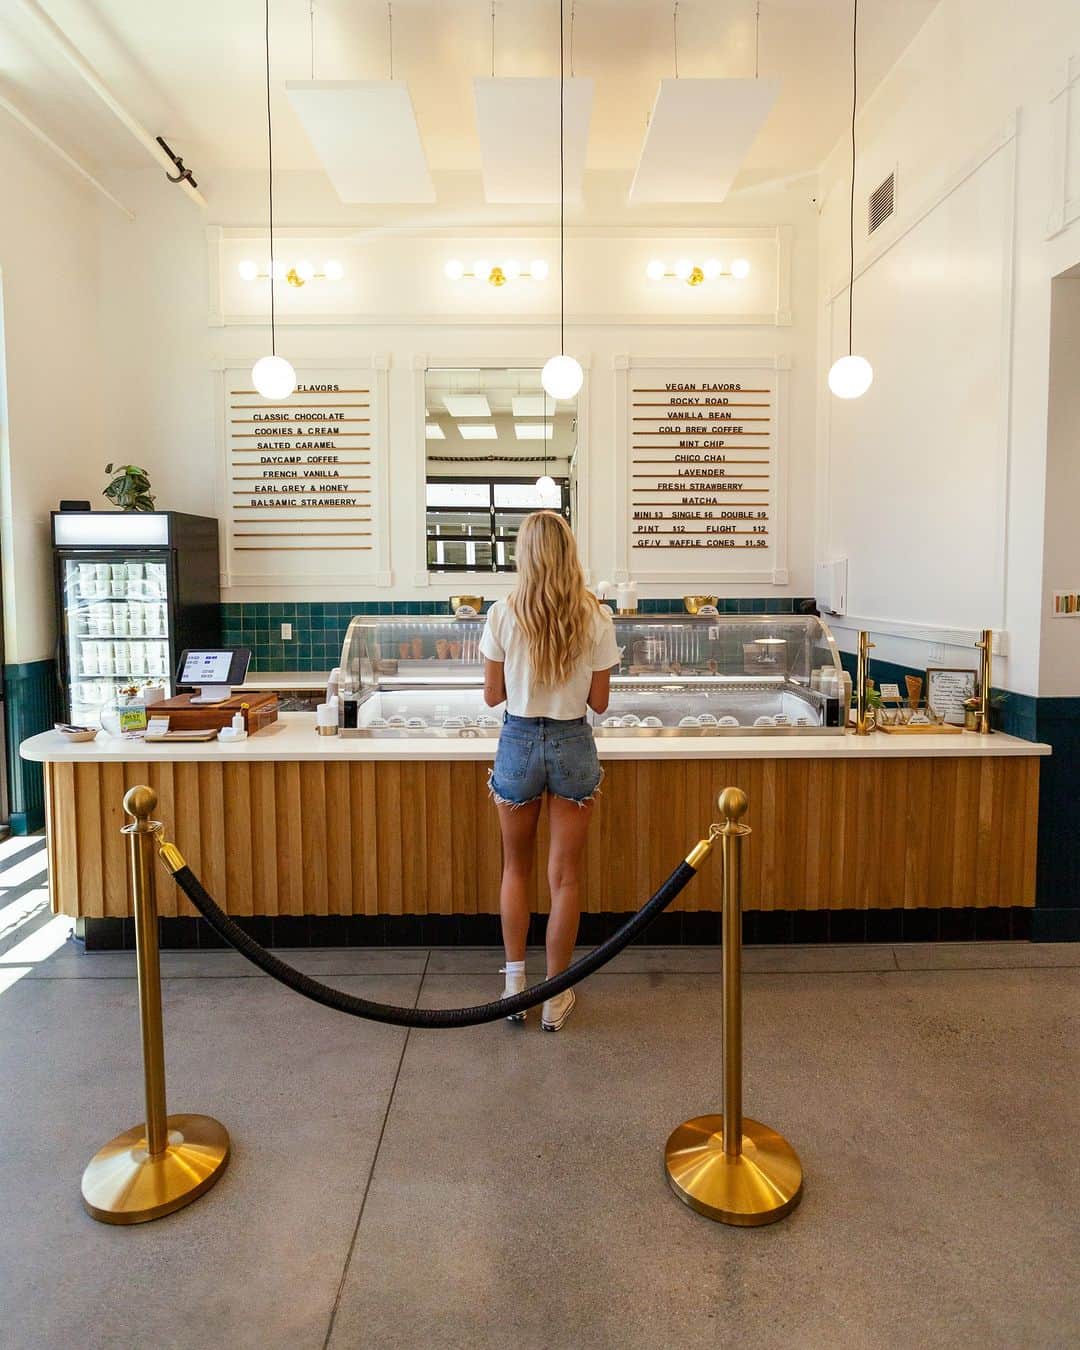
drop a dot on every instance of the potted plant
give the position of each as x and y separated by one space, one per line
129 489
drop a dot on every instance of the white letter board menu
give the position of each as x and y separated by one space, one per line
701 472
304 478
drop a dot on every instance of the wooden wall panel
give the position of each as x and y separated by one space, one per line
404 837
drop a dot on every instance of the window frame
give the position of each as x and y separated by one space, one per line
493 537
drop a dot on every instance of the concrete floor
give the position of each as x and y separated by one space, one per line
497 1187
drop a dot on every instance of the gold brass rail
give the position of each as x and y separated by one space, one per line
729 1167
862 673
168 1161
986 676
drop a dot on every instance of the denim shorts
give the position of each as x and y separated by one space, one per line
542 754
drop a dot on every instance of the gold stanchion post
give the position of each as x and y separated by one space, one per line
168 1161
729 1167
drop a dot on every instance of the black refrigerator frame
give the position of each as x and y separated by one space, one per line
193 598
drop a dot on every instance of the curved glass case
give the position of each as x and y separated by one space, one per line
678 675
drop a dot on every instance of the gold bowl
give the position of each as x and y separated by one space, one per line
692 603
473 601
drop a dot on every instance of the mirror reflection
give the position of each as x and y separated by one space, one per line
498 447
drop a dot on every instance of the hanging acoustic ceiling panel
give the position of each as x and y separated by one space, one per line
699 135
518 124
365 134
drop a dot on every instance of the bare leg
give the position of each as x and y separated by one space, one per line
518 825
569 830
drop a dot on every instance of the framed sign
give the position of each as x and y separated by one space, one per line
304 477
700 476
947 689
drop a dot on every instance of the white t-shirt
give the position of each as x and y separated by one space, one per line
503 641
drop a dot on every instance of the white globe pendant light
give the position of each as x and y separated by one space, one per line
545 485
562 375
272 375
851 376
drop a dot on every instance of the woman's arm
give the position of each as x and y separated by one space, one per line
495 683
599 690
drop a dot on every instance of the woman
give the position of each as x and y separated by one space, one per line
548 652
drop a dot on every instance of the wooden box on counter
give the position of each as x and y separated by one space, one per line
260 710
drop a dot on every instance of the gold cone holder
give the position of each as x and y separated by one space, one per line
168 1161
728 1167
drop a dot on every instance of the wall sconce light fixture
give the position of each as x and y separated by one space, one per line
695 273
296 275
496 274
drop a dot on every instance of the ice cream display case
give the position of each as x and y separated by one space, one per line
678 675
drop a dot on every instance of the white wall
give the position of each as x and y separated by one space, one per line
52 441
159 348
952 307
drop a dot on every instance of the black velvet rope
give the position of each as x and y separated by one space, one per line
300 983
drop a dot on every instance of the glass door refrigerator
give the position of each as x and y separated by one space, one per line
133 590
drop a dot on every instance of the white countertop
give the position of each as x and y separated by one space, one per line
293 737
259 680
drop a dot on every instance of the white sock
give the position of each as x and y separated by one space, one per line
514 968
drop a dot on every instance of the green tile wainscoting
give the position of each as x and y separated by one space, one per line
32 703
319 628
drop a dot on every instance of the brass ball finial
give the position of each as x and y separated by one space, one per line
733 804
139 802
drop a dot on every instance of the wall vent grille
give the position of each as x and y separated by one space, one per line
881 203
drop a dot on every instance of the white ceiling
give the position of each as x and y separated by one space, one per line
193 71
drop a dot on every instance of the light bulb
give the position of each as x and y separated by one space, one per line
712 269
511 269
545 485
562 376
278 270
655 270
482 268
454 270
305 269
333 270
740 269
248 270
538 269
850 376
683 268
274 377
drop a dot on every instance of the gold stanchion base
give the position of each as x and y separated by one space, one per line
759 1186
124 1184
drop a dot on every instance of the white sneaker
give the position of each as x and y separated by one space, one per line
515 983
557 1010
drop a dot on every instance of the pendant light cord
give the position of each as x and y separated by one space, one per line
270 182
757 39
675 35
573 9
311 16
390 33
851 212
492 39
562 195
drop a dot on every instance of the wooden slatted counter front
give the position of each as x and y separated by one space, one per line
288 823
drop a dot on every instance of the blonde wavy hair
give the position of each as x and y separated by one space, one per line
551 604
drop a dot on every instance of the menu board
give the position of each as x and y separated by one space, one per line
701 468
302 472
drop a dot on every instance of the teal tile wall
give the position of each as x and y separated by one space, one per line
319 627
32 703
